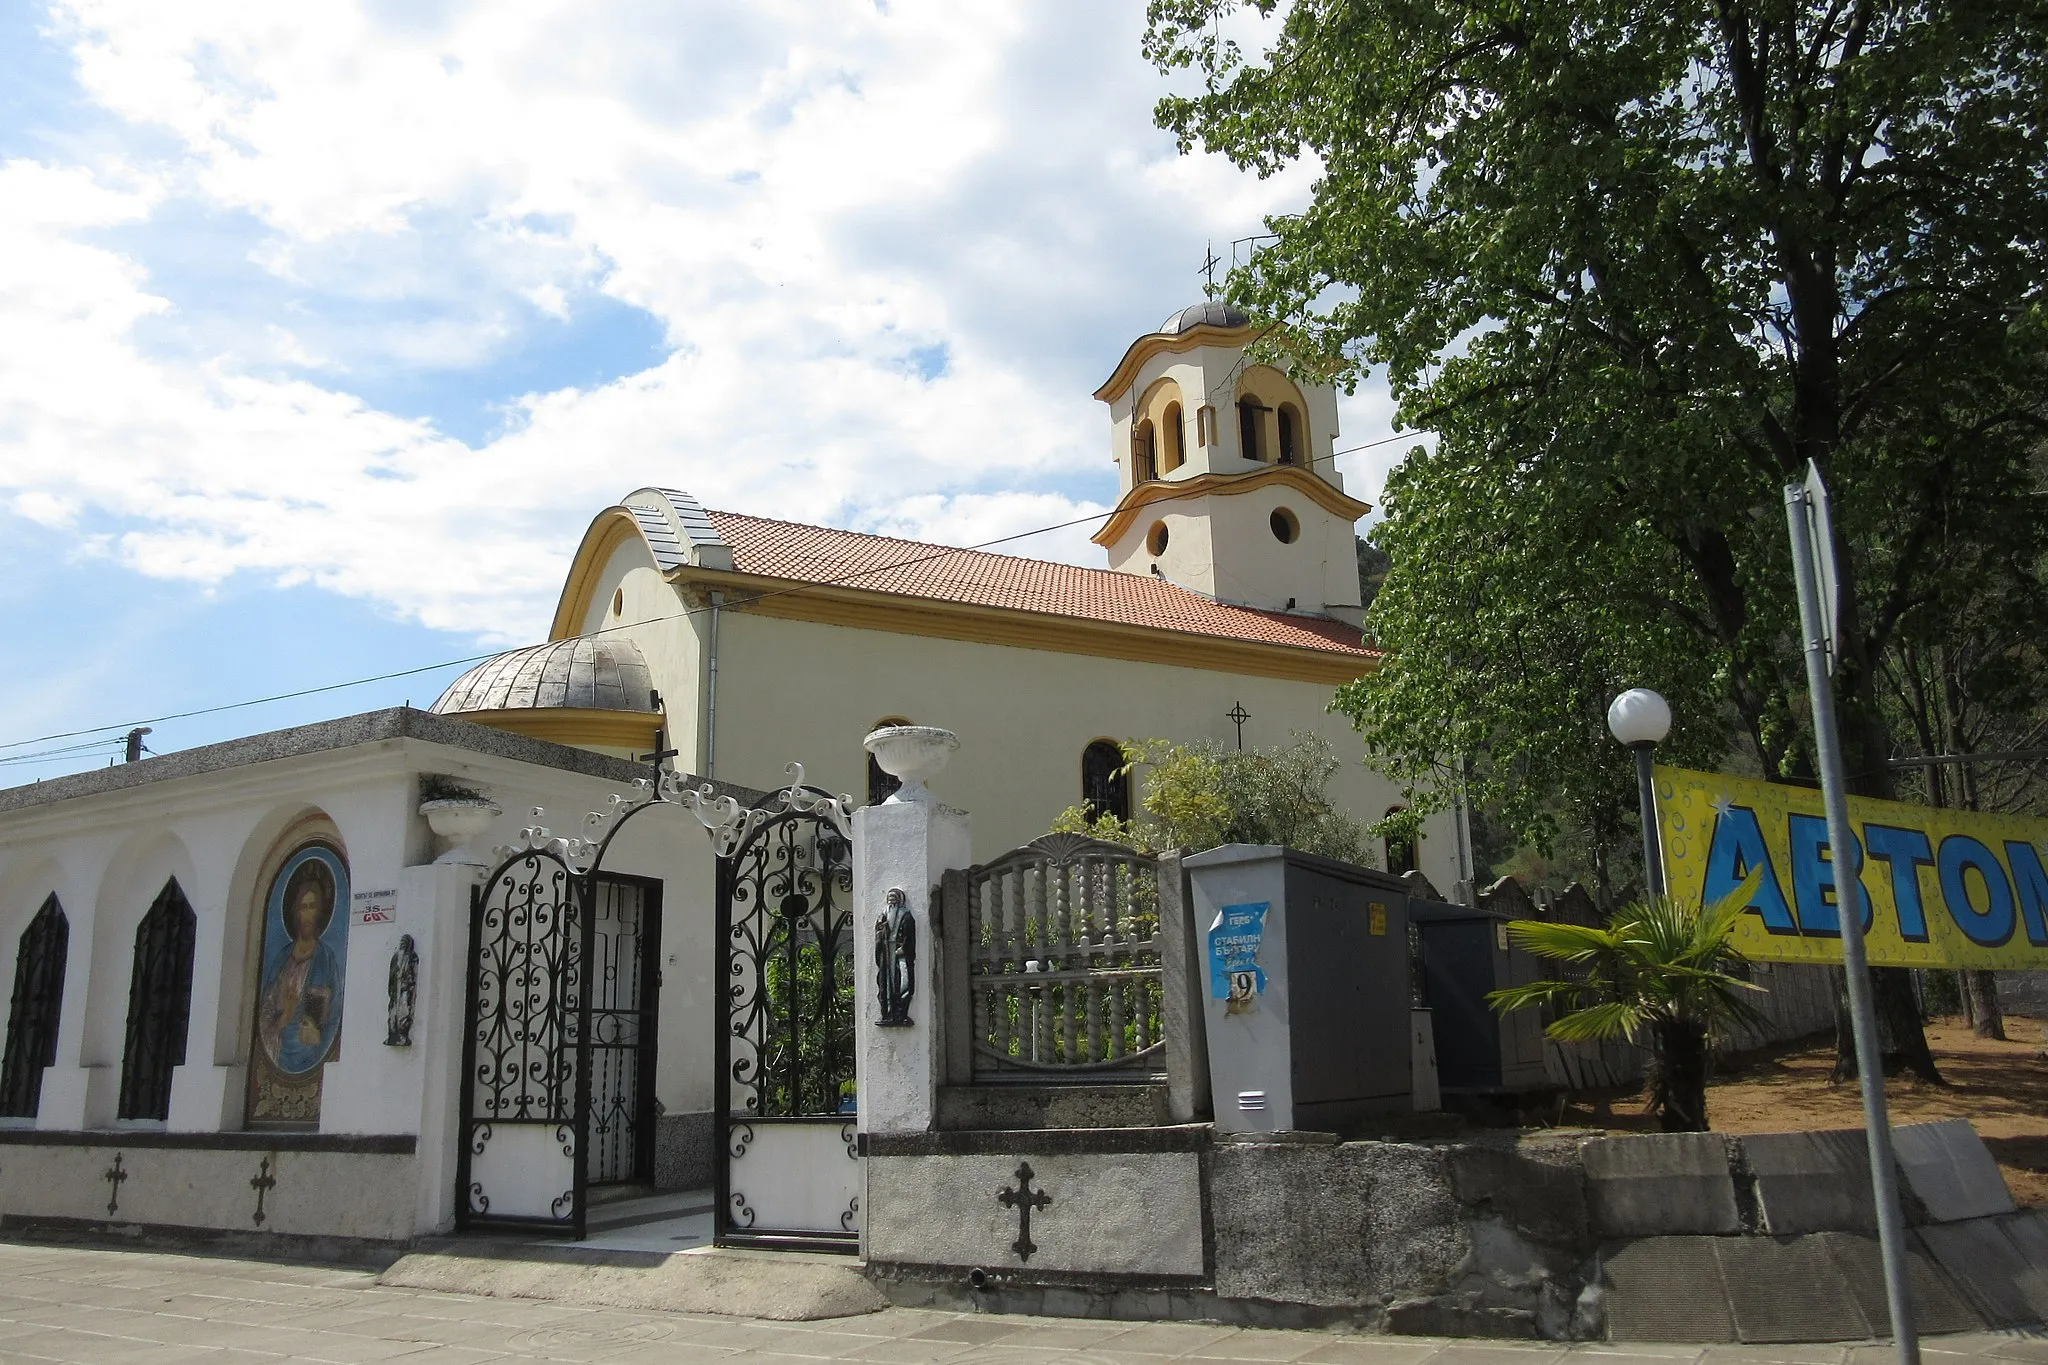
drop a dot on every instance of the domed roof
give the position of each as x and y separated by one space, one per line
1211 313
578 674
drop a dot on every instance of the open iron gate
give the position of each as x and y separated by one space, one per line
557 1056
789 1175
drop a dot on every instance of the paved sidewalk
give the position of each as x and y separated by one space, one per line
141 1308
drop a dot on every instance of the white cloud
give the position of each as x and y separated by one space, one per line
817 203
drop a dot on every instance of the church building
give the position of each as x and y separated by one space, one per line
326 982
1229 611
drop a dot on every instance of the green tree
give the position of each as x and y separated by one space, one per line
1637 264
1660 973
1197 796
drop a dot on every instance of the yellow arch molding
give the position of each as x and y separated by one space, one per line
1224 486
607 532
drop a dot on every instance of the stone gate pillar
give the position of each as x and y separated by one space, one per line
900 849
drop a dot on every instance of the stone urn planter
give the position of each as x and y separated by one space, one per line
913 755
456 820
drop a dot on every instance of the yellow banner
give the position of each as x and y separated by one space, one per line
1938 888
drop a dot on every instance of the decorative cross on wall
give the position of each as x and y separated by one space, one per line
1023 1199
1237 715
114 1176
263 1182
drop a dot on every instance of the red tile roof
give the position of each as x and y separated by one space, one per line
909 568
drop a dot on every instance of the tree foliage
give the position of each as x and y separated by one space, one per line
1199 796
1637 265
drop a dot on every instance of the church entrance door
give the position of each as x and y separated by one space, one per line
789 1174
625 984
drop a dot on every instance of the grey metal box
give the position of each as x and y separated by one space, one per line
1320 1040
1465 953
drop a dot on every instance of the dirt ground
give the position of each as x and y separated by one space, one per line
2001 1088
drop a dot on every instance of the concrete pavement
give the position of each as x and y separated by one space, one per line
112 1307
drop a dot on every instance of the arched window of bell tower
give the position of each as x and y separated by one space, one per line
1251 429
1176 438
1293 448
1144 454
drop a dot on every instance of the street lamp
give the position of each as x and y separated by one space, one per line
1640 718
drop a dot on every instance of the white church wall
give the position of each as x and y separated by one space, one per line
107 855
805 691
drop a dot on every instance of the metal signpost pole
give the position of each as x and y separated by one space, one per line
1646 796
1802 503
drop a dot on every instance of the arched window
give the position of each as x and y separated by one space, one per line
1145 454
32 1017
1176 437
1400 850
1105 781
881 785
1291 442
159 1005
1248 424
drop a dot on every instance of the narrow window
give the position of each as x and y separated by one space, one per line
32 1017
1176 437
1105 781
882 785
1205 426
1248 410
159 1005
1290 435
1400 851
1145 454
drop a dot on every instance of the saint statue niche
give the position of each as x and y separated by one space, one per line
298 1002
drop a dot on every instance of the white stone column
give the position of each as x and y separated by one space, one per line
903 844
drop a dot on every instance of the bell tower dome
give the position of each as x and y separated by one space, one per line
1226 480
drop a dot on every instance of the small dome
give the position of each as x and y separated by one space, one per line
1212 314
579 674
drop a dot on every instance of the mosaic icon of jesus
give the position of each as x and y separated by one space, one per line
299 1012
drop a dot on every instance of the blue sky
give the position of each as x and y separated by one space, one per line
324 331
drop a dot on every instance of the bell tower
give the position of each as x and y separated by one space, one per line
1225 473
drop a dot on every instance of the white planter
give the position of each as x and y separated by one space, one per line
456 822
913 755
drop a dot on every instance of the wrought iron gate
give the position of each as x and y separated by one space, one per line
525 1078
790 1175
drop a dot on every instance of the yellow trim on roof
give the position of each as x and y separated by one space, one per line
1156 343
899 614
577 727
608 530
1324 493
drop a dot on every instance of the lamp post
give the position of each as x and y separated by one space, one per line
1640 718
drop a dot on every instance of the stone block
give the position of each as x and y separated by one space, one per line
1134 1213
1660 1184
683 1151
1788 1289
1938 1306
1812 1182
1666 1289
1291 1223
1544 1199
2002 1271
1951 1171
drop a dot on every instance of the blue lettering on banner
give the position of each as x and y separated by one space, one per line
1234 951
1816 889
1905 852
1738 847
1992 925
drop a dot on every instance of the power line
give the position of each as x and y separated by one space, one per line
939 553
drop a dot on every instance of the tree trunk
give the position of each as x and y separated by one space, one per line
1980 990
1901 1041
1678 1077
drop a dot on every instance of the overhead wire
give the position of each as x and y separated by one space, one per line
869 571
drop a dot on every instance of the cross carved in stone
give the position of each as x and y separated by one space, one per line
1023 1199
114 1176
263 1182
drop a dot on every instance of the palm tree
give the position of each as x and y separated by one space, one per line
1660 967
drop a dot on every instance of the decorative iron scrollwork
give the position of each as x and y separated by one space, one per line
742 1213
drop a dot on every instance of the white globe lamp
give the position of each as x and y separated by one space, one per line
1641 719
